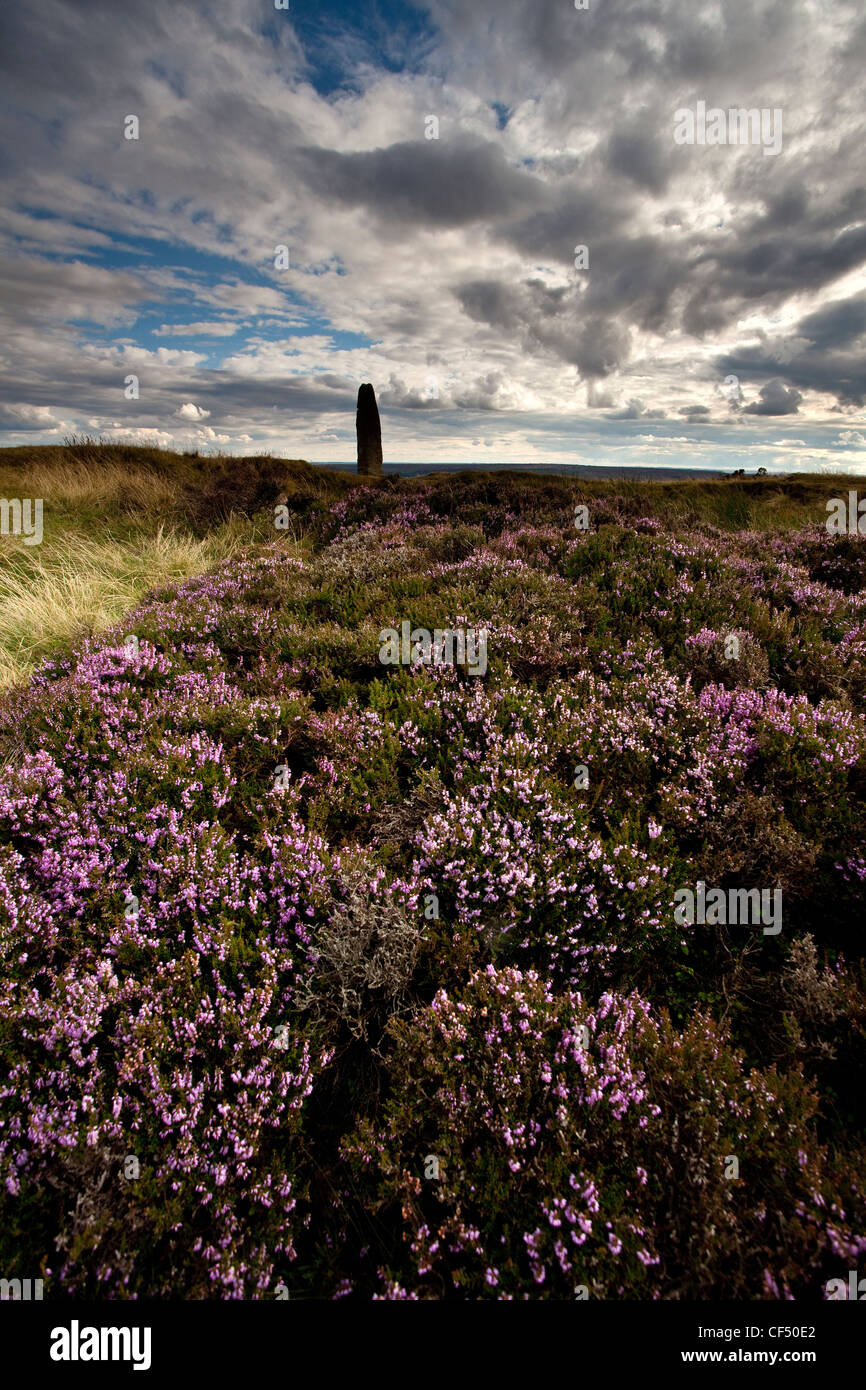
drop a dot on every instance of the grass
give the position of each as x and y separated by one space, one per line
83 584
118 521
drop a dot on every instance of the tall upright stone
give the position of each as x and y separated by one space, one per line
369 432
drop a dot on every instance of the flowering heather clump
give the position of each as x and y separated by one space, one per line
710 652
581 1146
367 980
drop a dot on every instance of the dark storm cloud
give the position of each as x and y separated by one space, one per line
748 40
761 266
840 374
638 153
776 399
636 278
838 325
423 181
826 352
491 303
554 319
569 216
854 48
785 207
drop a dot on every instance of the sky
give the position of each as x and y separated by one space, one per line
430 171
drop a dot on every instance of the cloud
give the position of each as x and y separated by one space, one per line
552 318
636 410
776 399
37 290
412 257
432 183
598 399
216 328
636 152
19 413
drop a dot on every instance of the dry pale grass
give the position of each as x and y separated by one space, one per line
104 485
120 520
79 585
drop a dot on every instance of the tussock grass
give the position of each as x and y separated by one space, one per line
120 519
113 485
78 585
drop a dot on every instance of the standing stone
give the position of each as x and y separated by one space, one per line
369 432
